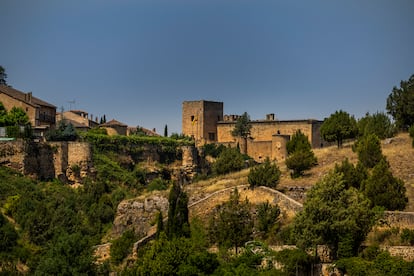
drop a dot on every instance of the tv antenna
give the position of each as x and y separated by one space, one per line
70 104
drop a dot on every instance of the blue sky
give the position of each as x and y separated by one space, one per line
137 61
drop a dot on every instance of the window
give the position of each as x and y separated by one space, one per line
211 136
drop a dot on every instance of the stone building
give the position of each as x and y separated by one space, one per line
200 119
42 115
78 118
204 121
114 127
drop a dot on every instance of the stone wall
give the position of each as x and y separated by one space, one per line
199 120
68 161
398 219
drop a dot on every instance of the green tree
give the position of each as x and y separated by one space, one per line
299 141
177 224
411 132
301 157
231 223
333 215
3 115
378 123
229 160
266 174
121 247
385 190
400 103
368 149
338 127
352 175
166 131
8 236
242 129
17 117
160 225
3 76
267 218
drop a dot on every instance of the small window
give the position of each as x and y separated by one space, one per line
211 136
192 118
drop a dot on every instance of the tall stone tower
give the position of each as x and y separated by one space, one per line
200 120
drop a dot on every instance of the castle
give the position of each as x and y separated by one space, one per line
205 122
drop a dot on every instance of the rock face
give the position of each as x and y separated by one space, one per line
139 214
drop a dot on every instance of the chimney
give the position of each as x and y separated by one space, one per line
28 97
270 117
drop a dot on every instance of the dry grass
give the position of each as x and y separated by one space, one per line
398 151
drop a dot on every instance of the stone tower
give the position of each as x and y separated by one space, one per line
200 120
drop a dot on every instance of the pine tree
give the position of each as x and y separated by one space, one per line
178 225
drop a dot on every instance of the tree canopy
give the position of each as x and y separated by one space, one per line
378 123
242 127
301 156
400 103
385 190
231 224
333 215
338 127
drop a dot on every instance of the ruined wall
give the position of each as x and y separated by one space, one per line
398 219
64 160
259 150
12 154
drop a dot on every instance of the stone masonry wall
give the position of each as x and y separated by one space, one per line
64 160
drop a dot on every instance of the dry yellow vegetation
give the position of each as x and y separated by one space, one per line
398 151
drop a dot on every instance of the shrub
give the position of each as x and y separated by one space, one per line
266 174
411 132
157 184
369 150
299 161
122 246
407 236
229 160
301 156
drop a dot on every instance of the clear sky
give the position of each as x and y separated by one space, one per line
137 61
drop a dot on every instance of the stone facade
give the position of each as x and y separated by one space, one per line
42 115
200 118
68 161
204 121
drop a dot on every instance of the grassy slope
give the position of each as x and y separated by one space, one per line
399 153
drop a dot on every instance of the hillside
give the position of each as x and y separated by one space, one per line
398 151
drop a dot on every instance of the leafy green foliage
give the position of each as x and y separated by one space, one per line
294 260
400 104
301 156
158 184
334 215
242 127
267 219
174 257
298 142
8 236
411 132
64 132
121 247
382 265
177 225
231 223
352 175
229 160
383 189
368 149
212 150
378 124
266 174
338 127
